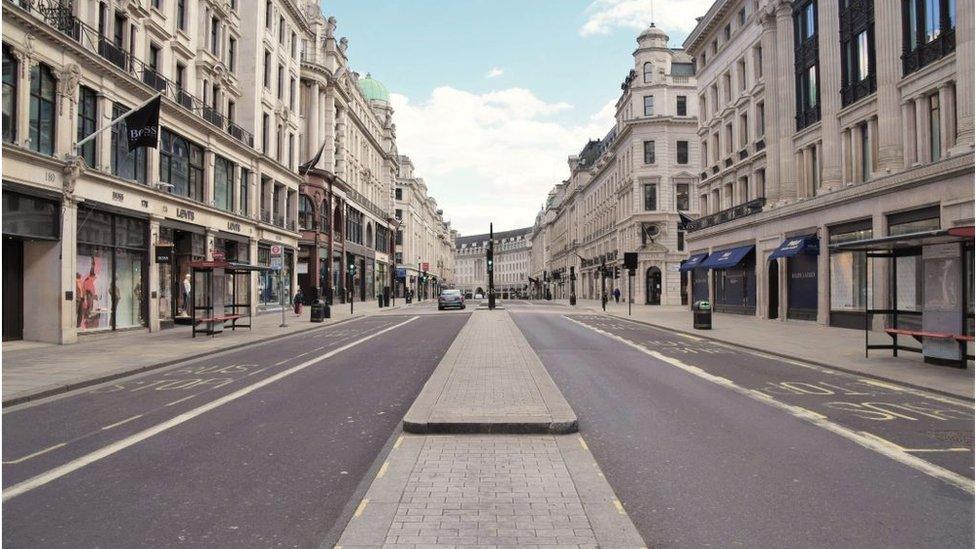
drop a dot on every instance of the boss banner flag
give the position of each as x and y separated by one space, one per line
142 125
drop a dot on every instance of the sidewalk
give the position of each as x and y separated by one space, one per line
839 348
489 490
35 370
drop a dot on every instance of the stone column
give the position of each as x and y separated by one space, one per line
340 154
888 42
314 121
68 332
830 79
328 133
823 278
964 76
806 174
873 139
785 101
923 152
211 234
947 119
252 244
784 285
908 133
25 63
103 143
772 123
845 156
857 163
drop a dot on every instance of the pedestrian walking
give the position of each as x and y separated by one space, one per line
616 295
298 302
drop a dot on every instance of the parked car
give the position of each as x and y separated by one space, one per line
479 296
450 298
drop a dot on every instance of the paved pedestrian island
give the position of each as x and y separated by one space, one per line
476 482
490 381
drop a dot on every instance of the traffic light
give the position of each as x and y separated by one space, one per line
352 269
616 272
424 276
491 260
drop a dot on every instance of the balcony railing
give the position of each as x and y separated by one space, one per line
266 216
736 212
279 220
58 15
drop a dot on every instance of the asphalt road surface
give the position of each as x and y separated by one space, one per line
709 445
260 447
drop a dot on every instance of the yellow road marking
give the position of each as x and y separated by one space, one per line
917 450
107 427
619 506
35 454
361 508
398 441
583 444
383 469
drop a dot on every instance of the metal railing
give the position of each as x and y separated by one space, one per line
59 16
736 212
266 216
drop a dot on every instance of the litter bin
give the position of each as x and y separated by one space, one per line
320 311
379 300
386 300
702 313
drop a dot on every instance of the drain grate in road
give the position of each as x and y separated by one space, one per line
958 437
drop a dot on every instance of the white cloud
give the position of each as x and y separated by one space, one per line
675 16
491 156
495 72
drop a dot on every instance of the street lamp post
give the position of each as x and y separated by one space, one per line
603 283
572 285
491 266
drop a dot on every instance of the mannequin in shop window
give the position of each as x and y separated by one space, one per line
185 297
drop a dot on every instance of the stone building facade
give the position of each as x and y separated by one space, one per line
422 236
631 191
513 250
870 135
100 239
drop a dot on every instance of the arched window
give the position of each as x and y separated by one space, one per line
648 72
306 213
369 236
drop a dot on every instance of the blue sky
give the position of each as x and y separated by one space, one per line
491 96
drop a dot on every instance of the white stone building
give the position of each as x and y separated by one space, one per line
512 259
870 135
632 190
422 237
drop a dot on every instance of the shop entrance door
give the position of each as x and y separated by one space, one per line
773 294
13 289
653 286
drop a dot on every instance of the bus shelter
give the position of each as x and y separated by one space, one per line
221 295
929 298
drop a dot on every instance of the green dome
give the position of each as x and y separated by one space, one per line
374 90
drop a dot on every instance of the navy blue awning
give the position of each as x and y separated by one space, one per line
693 262
797 245
723 259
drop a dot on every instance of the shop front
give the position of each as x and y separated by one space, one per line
177 245
734 280
31 252
699 277
850 282
112 262
800 253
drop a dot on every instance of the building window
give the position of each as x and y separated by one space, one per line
125 164
850 280
682 197
757 61
681 240
181 165
87 122
223 184
291 93
648 152
267 14
306 213
10 72
742 17
650 197
181 14
244 192
281 81
648 72
806 58
265 133
682 107
865 144
857 50
291 150
281 31
398 193
232 54
682 152
215 36
42 112
267 69
398 213
760 119
648 105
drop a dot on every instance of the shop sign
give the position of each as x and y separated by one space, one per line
302 267
277 257
164 254
401 272
425 266
234 226
183 213
218 255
